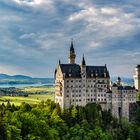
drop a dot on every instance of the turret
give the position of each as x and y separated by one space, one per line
137 77
83 62
119 81
83 67
59 61
71 55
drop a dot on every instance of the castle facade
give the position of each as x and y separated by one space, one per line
78 85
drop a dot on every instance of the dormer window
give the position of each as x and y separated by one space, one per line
96 74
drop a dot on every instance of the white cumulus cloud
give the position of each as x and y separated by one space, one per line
40 4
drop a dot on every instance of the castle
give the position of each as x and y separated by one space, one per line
78 85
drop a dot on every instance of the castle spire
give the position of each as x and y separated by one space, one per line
71 56
71 47
59 61
83 61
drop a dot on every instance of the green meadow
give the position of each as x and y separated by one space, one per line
35 95
31 99
38 89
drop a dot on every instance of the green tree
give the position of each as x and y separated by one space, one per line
3 133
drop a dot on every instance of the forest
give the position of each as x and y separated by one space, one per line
46 121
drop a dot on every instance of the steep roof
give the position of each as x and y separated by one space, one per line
71 70
72 48
97 71
125 88
74 71
120 87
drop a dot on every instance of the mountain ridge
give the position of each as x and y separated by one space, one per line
23 79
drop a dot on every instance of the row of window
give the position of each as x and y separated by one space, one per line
76 95
99 95
98 90
89 100
121 96
124 91
76 86
99 81
121 99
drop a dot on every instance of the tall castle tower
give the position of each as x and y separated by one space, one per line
137 77
71 55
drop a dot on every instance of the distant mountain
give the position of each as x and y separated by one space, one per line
4 76
23 79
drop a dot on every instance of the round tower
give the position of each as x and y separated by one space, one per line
137 77
119 81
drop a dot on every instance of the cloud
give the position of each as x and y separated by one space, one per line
36 5
34 34
33 2
28 1
105 26
9 69
28 36
83 14
109 11
114 20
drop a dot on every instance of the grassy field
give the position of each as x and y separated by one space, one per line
31 99
38 89
36 95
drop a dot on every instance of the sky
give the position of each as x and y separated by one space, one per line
35 34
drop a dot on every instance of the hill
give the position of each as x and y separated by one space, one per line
22 79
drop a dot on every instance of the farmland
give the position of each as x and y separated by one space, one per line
31 99
35 95
38 89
